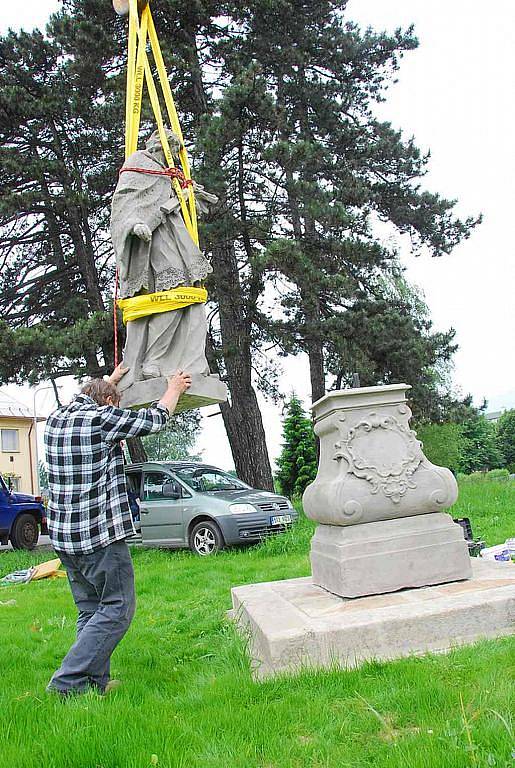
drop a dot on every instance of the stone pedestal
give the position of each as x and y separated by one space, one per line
383 539
293 625
385 556
378 499
204 390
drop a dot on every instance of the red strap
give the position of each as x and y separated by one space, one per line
172 173
115 319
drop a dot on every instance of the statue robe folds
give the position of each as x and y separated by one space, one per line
159 344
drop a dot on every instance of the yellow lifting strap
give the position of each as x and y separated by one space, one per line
139 72
162 301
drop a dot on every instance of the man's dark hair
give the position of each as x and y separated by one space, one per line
99 390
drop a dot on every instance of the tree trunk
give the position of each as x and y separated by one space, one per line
242 417
136 449
313 343
316 369
246 435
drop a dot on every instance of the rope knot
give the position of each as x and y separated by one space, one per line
172 173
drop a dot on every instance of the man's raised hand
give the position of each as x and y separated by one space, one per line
179 382
143 232
118 374
177 385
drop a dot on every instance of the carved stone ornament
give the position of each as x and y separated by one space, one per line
372 466
382 451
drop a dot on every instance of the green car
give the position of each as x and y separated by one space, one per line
185 504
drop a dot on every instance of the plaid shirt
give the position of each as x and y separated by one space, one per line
88 506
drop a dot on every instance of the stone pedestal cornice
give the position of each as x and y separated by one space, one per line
372 466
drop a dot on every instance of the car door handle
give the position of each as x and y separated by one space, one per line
144 510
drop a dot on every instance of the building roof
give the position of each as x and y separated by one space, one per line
493 415
13 409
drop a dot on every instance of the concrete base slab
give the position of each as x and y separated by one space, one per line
295 624
388 555
204 390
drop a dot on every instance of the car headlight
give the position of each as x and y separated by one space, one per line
242 508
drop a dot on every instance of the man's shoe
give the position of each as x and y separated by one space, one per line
64 694
111 686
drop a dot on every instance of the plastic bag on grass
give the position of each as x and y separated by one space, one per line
49 569
500 552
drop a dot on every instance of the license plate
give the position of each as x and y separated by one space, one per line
280 519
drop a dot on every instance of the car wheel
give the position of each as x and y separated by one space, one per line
206 538
25 532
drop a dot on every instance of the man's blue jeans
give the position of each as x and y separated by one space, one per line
102 585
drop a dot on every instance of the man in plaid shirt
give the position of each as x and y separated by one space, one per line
89 518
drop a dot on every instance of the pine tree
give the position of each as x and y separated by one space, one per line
85 77
277 101
319 168
298 460
57 164
389 339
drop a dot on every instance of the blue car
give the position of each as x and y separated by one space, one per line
22 517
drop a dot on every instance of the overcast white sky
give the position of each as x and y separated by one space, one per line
456 96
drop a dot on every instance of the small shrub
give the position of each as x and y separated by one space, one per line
477 476
498 474
493 474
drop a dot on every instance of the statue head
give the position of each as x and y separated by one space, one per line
153 143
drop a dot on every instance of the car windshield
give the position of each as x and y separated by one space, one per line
205 479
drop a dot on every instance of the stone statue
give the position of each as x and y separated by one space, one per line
154 252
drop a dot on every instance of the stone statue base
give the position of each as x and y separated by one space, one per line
384 556
378 500
291 626
204 390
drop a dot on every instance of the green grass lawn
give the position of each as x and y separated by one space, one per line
490 504
188 697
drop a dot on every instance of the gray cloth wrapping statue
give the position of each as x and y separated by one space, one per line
154 252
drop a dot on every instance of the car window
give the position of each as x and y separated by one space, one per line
134 482
205 480
153 488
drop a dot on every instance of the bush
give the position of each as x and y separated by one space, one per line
498 474
480 450
506 436
474 477
442 444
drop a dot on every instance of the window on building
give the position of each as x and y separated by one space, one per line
10 440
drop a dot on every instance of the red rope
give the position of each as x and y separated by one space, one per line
172 173
115 319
